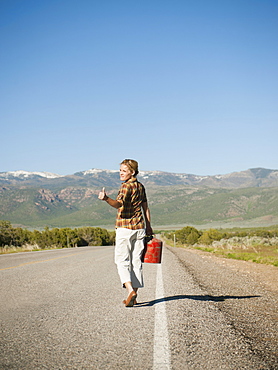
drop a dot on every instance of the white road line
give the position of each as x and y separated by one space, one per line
161 352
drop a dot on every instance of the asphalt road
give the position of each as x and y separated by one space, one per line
62 309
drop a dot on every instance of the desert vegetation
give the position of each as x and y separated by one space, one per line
14 239
255 244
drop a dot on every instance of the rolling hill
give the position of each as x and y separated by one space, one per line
41 199
255 177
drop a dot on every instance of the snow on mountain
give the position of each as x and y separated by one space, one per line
26 174
256 177
147 174
94 171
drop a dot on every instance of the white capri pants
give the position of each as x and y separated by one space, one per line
128 251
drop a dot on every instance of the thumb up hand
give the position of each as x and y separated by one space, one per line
102 195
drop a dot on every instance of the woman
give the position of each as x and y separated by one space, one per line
132 225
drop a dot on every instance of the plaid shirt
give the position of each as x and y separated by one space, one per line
131 195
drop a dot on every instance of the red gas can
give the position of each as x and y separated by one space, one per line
152 252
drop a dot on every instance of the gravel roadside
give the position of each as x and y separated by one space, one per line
244 292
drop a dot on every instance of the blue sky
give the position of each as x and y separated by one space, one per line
182 86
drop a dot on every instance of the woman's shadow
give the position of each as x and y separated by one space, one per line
206 297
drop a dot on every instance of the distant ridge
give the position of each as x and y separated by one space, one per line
39 199
254 177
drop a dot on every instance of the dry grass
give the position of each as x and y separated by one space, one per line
25 248
263 255
253 249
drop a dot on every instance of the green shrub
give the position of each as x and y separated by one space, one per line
54 238
187 235
209 236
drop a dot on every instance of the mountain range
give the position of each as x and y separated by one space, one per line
255 177
39 199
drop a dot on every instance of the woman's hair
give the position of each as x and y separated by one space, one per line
132 165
